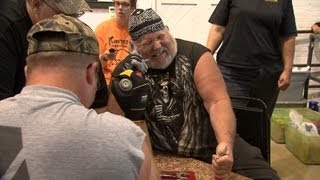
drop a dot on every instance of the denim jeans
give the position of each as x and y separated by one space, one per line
261 83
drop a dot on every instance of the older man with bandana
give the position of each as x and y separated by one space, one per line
188 111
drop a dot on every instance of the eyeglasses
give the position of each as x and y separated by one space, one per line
122 4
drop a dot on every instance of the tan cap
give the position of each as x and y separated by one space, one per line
74 35
69 7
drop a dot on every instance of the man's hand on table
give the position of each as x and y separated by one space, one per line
222 161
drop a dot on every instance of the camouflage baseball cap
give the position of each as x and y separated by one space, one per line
69 7
70 34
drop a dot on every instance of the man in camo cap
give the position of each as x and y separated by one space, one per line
16 18
62 139
77 35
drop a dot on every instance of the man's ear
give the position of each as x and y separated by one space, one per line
26 71
33 7
91 73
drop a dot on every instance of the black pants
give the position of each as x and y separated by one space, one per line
259 83
248 161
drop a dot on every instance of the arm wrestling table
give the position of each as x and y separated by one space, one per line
202 170
167 162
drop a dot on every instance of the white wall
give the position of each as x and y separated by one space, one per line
96 17
188 21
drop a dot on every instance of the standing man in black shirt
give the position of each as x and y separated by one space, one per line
258 42
16 18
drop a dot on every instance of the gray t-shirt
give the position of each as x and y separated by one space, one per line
46 133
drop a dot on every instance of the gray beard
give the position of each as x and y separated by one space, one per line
163 65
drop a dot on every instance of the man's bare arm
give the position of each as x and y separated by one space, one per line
148 170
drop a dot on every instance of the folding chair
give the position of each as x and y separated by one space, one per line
314 67
253 125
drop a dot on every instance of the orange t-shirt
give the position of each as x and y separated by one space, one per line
110 35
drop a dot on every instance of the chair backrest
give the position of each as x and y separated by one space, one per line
252 123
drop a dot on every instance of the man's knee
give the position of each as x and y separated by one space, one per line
248 161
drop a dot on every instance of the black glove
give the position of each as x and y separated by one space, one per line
130 88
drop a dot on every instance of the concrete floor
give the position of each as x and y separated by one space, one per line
289 167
